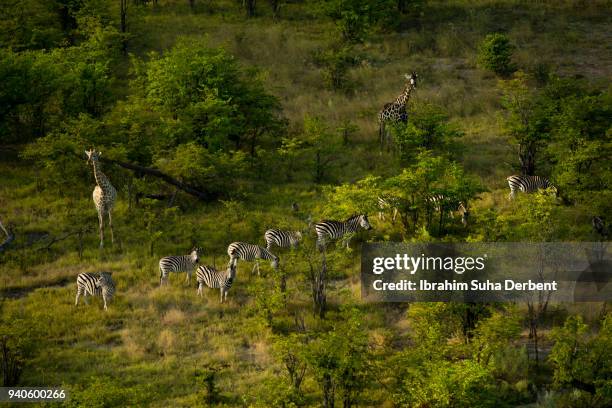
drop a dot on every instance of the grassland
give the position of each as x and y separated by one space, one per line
149 347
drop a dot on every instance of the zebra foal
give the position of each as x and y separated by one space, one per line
528 184
95 284
282 239
330 229
207 275
250 252
176 264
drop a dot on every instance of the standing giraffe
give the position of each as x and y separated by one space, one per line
396 111
104 194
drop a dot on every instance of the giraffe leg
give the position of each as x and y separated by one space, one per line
101 226
110 225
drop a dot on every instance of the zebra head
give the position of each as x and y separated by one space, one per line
274 262
412 78
195 254
364 223
93 155
104 279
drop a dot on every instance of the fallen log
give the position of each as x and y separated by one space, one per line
189 189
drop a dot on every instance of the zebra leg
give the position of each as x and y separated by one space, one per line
104 298
381 216
78 295
110 225
188 277
221 291
321 244
256 266
394 214
199 291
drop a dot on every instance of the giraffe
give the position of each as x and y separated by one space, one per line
104 194
396 111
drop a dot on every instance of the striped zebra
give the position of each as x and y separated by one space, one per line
282 239
329 229
386 203
439 203
528 184
250 252
95 284
207 275
179 263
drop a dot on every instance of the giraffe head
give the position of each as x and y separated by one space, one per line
93 155
412 79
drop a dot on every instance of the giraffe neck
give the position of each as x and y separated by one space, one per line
403 98
101 178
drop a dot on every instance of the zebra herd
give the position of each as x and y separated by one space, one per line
102 285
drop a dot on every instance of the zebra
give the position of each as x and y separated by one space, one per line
339 229
385 203
214 279
95 284
250 252
439 200
179 263
282 239
528 184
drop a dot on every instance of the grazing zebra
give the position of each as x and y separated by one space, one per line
179 263
282 239
459 206
339 229
95 284
250 252
528 184
214 279
385 203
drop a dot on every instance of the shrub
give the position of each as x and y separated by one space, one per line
495 54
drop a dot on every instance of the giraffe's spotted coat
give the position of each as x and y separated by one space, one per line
104 194
396 111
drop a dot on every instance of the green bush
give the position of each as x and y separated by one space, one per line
495 54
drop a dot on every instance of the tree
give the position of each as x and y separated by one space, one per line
322 145
340 360
495 54
249 7
428 128
207 90
290 350
527 120
582 361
